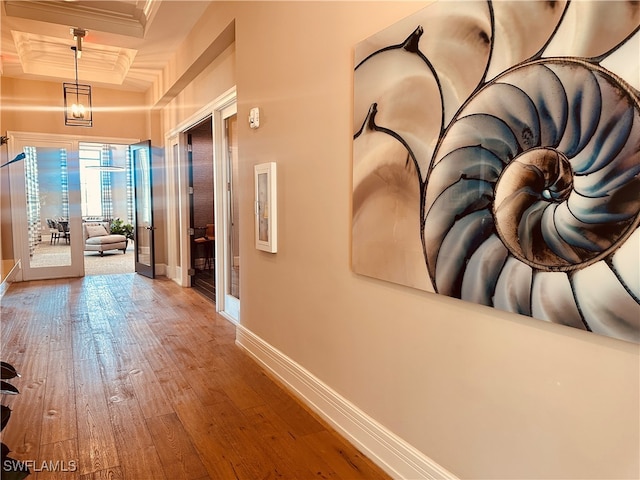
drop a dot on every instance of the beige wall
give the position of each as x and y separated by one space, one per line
214 80
36 106
484 393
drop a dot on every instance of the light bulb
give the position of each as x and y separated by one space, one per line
77 110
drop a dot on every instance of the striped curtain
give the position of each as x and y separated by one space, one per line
33 197
64 181
105 182
129 187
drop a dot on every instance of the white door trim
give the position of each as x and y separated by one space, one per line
225 107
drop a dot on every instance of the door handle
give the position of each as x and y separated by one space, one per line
150 228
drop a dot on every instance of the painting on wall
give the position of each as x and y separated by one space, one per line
266 211
496 158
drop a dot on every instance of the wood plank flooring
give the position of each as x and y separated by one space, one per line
129 378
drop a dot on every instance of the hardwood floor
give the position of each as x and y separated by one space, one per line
129 378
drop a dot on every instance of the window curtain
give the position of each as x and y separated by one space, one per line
64 180
33 197
129 187
105 182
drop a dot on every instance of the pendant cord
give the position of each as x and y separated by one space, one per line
75 58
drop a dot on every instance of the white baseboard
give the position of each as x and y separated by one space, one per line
161 269
11 277
387 450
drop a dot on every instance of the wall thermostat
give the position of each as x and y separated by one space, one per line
254 117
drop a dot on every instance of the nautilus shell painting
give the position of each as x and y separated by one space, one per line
496 158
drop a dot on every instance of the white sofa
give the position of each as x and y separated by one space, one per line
98 238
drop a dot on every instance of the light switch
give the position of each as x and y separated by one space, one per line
254 117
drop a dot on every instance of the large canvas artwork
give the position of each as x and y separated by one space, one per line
496 158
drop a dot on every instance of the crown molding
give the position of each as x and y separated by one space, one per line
129 18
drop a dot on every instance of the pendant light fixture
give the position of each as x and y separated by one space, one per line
77 97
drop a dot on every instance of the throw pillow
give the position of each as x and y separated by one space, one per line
96 230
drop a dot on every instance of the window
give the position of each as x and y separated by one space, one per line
105 181
90 186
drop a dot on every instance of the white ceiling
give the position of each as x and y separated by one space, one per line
127 45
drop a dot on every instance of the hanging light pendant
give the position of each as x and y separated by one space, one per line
77 100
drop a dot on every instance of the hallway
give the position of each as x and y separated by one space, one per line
129 378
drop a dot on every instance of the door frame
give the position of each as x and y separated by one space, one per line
18 215
178 200
173 175
228 306
177 179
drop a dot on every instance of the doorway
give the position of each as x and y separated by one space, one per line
61 185
202 204
106 190
201 208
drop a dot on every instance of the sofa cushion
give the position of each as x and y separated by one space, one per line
106 239
96 231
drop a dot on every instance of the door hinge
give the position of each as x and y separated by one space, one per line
189 148
190 190
192 231
191 272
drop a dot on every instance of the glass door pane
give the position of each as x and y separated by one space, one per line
233 260
227 246
144 229
228 195
47 206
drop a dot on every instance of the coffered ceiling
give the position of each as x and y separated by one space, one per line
127 45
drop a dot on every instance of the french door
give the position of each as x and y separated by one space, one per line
46 213
47 202
143 201
227 204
